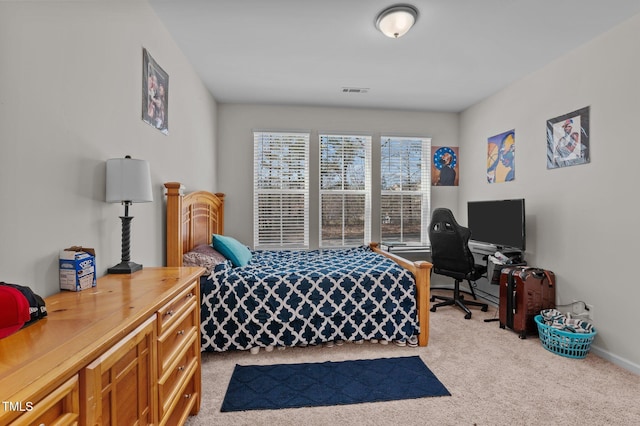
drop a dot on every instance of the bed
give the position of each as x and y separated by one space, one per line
295 298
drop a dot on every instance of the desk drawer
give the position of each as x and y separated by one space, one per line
184 301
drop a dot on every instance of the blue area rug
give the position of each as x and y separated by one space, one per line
268 387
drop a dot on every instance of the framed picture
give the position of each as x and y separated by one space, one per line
155 93
444 167
501 157
568 139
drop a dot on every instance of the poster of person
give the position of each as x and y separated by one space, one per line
155 94
501 156
568 139
444 167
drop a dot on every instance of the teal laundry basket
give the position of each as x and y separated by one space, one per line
564 343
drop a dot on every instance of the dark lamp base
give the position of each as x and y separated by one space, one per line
125 268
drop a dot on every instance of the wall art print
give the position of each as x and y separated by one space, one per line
501 157
568 139
444 167
155 93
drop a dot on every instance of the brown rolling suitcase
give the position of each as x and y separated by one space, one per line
524 292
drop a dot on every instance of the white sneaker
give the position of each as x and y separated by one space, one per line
269 349
384 342
328 344
400 342
255 350
413 341
374 340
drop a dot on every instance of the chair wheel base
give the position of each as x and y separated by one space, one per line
467 316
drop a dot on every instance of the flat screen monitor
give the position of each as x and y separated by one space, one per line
500 223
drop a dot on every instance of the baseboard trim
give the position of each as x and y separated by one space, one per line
615 359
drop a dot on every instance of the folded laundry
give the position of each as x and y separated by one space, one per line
556 319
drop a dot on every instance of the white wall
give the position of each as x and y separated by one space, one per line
581 220
70 98
235 151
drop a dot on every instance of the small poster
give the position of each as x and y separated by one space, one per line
444 167
568 139
501 156
155 94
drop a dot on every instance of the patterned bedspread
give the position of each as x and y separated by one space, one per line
290 298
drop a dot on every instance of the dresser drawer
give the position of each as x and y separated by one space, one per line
176 338
60 407
177 371
185 402
168 314
171 388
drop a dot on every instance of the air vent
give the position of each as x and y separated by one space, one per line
355 89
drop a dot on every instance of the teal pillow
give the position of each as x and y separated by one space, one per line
232 249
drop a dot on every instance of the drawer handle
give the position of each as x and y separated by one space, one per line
169 313
181 368
187 395
189 295
180 332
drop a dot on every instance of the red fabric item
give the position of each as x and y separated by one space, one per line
14 310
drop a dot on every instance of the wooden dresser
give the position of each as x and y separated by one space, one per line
125 352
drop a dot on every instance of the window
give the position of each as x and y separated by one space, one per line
345 190
406 190
281 190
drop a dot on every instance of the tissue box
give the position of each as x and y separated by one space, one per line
77 268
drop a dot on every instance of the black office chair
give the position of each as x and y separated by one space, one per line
451 257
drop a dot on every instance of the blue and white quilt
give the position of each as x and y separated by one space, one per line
291 298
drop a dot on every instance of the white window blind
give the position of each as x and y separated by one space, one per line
405 203
281 190
345 190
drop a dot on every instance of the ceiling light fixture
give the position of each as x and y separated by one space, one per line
395 21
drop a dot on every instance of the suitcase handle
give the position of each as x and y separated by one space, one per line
512 306
540 274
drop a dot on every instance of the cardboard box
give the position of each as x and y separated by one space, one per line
77 268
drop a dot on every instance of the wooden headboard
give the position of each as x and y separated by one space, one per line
191 219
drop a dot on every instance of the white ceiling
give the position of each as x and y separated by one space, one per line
303 52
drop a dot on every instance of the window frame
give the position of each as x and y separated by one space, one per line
366 191
423 191
261 241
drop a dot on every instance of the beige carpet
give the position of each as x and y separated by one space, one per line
494 378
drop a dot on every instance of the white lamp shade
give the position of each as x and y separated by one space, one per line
397 20
129 180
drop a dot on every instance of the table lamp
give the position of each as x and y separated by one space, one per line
128 182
